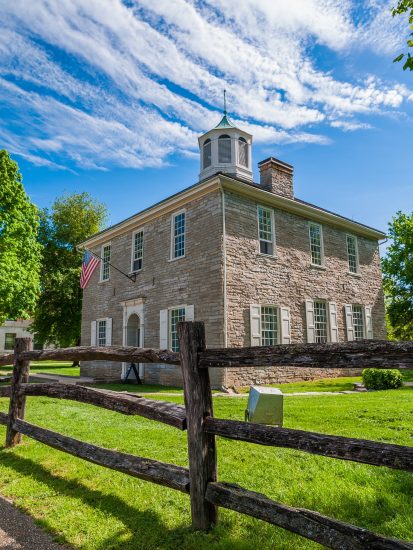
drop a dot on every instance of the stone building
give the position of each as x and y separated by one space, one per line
256 264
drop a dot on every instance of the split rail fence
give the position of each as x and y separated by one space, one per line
200 479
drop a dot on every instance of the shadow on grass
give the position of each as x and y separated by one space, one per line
145 530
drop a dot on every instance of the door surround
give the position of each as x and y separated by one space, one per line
130 307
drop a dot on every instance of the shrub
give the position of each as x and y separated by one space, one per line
382 379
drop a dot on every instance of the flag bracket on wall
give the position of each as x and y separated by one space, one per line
90 262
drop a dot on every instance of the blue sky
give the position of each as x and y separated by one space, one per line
109 97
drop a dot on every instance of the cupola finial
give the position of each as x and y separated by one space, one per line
225 101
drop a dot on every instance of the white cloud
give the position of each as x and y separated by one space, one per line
101 83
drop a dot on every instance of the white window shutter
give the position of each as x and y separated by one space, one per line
189 313
163 329
285 325
309 315
368 322
348 310
108 331
255 324
93 333
332 309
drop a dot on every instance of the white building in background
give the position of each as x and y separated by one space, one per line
12 330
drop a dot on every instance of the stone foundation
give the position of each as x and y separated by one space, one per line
281 375
105 371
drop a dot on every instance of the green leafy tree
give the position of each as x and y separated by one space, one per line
20 252
398 277
406 6
72 219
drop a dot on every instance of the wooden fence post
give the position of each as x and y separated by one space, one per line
17 399
198 403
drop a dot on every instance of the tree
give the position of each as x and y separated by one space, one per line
405 6
398 276
72 219
20 251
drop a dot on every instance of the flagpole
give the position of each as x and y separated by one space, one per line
131 277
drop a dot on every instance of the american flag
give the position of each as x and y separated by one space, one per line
89 264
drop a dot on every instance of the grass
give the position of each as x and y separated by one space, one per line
49 367
93 508
323 385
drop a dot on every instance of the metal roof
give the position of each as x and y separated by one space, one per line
224 123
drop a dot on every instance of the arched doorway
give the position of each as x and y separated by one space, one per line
133 331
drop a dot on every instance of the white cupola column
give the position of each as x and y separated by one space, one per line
226 149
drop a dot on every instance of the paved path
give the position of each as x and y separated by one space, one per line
18 531
61 378
233 394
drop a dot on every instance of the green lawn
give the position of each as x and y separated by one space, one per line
326 384
93 508
49 367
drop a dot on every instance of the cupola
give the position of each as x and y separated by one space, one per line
226 149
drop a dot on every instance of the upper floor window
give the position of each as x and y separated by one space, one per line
224 149
178 235
352 254
243 151
9 340
137 251
316 244
206 154
266 230
105 265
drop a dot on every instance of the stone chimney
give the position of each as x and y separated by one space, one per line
277 177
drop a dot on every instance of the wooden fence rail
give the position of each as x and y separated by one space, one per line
200 479
398 457
162 411
380 354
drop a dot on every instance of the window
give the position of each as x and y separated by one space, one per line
358 322
168 319
9 340
316 244
206 155
269 325
137 250
178 235
101 332
320 322
224 149
175 316
266 230
352 254
105 266
243 151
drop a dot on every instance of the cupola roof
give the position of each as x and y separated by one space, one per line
224 123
